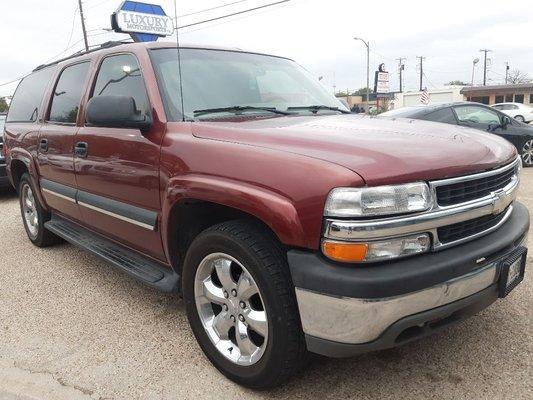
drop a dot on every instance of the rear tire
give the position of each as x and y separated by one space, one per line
248 248
33 215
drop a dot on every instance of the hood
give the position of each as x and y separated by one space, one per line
381 151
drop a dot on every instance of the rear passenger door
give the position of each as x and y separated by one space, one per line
56 140
118 177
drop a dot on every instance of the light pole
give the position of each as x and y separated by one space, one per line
367 44
476 60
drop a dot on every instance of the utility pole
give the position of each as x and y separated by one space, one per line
401 67
485 66
367 44
506 72
421 69
80 5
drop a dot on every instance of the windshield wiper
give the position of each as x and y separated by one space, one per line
238 110
315 109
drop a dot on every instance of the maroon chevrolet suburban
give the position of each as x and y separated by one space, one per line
287 224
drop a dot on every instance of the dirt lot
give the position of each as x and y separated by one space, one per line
71 327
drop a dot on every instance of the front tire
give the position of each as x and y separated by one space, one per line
241 305
33 215
527 153
519 118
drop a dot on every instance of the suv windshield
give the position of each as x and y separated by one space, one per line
215 79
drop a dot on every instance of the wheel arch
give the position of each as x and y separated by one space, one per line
22 162
193 204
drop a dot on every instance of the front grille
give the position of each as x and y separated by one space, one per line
461 192
461 230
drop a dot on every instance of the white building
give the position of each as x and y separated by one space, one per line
445 95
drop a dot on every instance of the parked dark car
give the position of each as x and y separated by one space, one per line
478 116
4 181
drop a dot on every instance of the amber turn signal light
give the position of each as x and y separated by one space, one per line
345 252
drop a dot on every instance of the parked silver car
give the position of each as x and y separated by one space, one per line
518 111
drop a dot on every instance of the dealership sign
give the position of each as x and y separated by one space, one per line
144 22
381 81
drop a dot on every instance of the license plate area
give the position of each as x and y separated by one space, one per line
512 270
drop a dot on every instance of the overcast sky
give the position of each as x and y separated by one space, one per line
316 33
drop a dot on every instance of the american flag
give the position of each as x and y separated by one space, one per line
424 98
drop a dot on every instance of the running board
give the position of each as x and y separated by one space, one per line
141 268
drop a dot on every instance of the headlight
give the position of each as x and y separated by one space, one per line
379 200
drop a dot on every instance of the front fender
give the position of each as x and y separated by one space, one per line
275 210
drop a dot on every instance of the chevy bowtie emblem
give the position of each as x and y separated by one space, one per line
498 201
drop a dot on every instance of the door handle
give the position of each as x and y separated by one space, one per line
43 145
81 149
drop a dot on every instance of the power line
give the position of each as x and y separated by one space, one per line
233 14
212 8
231 20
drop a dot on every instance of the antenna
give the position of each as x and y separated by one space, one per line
179 58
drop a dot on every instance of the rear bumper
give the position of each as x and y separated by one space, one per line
346 310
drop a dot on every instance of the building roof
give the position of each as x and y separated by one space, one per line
496 88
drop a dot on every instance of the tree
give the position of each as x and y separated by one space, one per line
3 105
516 77
457 83
361 92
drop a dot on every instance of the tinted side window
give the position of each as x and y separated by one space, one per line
67 94
477 115
121 76
28 96
444 115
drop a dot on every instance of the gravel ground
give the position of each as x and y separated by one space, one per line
72 327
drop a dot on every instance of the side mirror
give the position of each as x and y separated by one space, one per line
116 112
505 121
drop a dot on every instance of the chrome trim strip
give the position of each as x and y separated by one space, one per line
122 218
74 195
356 321
472 177
59 195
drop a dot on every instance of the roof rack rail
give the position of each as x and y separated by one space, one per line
105 45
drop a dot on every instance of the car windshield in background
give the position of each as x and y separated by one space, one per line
238 82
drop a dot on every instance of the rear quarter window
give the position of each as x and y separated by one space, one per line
444 115
29 95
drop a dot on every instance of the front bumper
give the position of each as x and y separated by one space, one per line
346 310
4 180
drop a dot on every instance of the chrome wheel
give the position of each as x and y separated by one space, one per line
231 309
29 211
527 153
519 118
